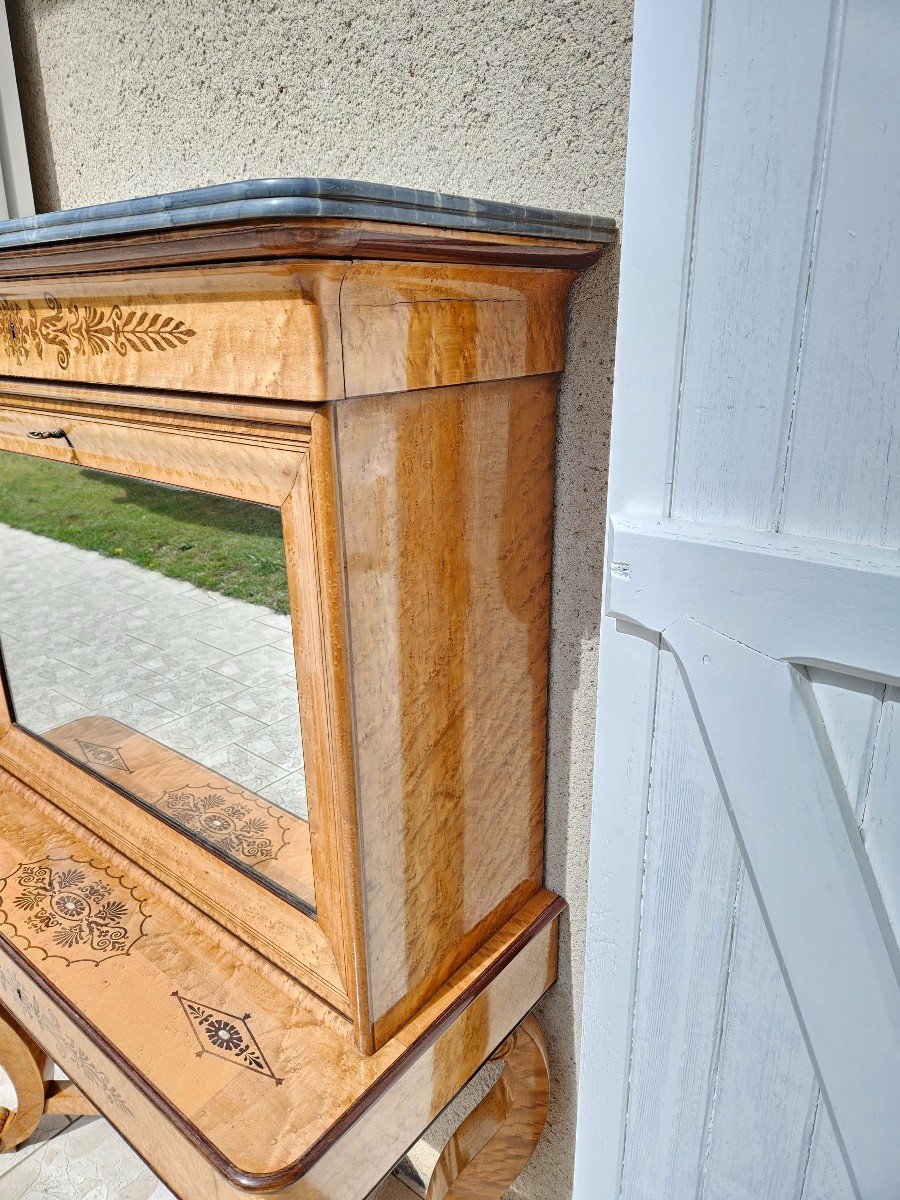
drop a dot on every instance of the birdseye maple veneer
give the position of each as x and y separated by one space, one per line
276 986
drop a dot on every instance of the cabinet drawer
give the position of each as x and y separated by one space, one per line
255 330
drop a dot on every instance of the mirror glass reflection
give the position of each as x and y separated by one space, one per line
146 634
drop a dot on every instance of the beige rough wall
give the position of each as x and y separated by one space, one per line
522 101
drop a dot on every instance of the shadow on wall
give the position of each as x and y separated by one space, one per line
585 404
35 114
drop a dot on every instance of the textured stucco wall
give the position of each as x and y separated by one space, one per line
522 101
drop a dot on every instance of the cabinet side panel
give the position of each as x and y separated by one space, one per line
446 501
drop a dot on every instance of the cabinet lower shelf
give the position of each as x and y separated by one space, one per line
226 1076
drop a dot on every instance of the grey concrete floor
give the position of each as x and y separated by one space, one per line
87 1160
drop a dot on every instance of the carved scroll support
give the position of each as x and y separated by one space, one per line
495 1141
24 1061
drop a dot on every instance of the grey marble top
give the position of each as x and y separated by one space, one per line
258 199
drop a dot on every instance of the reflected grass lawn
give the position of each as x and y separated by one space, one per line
226 546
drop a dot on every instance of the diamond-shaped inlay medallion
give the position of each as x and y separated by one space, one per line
104 757
225 1036
72 910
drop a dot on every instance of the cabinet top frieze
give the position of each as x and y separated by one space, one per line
265 218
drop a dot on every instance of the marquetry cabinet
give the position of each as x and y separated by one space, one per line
276 494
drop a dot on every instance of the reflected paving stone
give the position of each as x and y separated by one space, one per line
167 607
105 655
105 689
156 630
210 729
103 599
34 669
205 674
236 763
87 1161
152 585
140 713
236 638
49 1127
230 612
277 621
46 698
258 667
202 596
289 793
45 708
183 656
270 703
279 743
283 642
195 692
38 668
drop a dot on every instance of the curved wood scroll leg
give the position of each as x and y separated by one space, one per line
496 1140
23 1061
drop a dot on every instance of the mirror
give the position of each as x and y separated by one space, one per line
146 634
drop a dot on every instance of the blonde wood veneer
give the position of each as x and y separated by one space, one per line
392 390
259 463
445 501
299 331
131 1026
496 1140
156 772
259 329
24 1063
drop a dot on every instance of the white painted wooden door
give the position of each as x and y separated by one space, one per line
742 998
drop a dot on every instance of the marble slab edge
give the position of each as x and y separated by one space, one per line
275 199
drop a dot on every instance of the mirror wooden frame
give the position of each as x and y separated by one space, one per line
267 466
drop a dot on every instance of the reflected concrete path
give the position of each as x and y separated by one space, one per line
209 676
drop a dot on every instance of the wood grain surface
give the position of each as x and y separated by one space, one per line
182 1031
445 503
268 330
304 238
495 1141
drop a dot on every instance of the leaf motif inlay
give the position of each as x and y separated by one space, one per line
85 329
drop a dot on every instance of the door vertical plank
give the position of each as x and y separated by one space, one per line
881 814
765 1100
660 187
844 477
852 711
769 64
845 456
767 1094
826 1175
771 68
801 844
686 929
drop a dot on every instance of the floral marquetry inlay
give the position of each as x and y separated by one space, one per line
84 329
21 998
72 910
230 818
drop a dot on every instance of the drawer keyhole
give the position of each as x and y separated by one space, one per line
41 435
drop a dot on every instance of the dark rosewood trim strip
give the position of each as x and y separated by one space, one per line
323 238
296 1170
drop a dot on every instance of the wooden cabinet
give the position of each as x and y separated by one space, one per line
272 832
